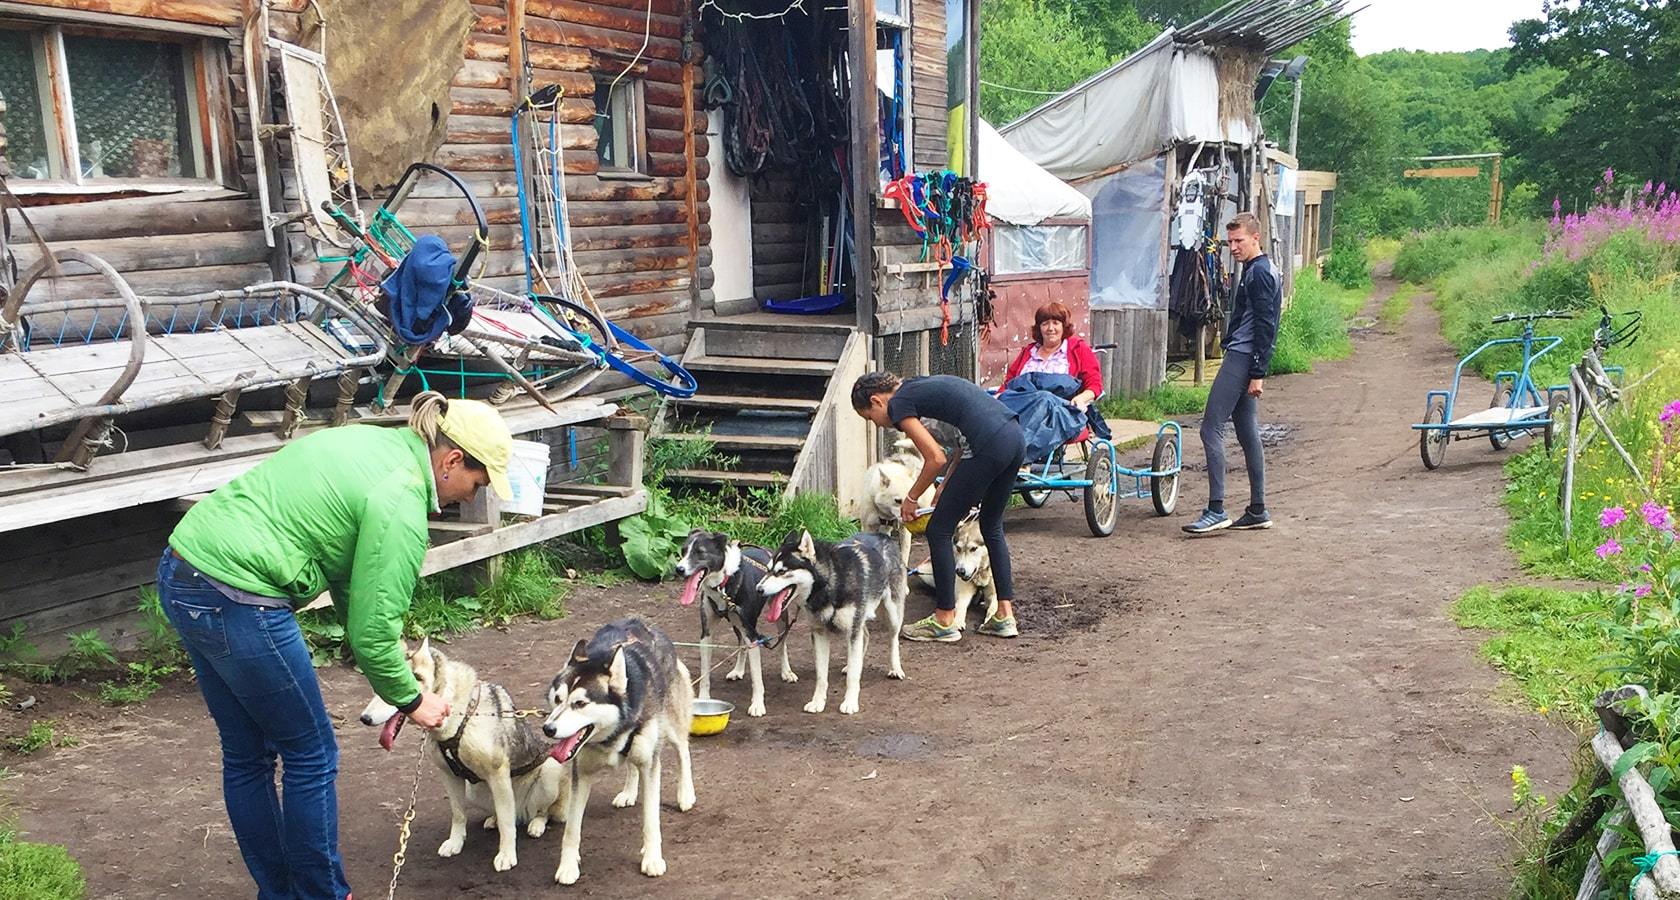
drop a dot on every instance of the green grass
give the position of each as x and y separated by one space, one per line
1551 642
42 733
1315 326
1382 249
38 871
1424 256
1162 402
1394 309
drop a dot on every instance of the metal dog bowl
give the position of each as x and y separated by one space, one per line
710 716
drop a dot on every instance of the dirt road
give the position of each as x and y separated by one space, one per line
1281 714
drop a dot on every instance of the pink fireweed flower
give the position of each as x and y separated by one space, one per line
1656 516
1670 412
1643 590
1608 549
1611 517
1644 567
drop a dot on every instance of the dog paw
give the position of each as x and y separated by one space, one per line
451 847
790 676
506 861
848 706
567 873
624 799
537 826
816 706
896 673
756 709
685 801
653 866
490 824
734 676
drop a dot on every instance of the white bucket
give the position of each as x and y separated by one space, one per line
527 476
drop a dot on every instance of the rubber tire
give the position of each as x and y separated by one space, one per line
1500 439
1428 439
1557 411
1099 470
1035 499
1163 489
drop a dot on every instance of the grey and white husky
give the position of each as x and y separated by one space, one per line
841 585
620 699
727 574
974 570
491 760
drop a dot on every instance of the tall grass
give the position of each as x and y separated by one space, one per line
30 871
1315 326
1164 401
1427 255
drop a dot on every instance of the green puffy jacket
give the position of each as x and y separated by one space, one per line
342 509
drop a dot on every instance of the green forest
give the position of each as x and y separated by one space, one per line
1588 88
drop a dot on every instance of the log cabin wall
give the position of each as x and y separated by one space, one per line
630 231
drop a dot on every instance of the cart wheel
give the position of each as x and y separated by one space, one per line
1163 489
1432 445
1557 411
1501 399
1036 499
1102 508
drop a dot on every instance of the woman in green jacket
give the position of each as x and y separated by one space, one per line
342 509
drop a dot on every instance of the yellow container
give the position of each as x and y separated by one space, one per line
919 524
710 716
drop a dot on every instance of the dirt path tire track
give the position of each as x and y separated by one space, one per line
1279 714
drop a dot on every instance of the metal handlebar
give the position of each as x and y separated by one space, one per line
1532 316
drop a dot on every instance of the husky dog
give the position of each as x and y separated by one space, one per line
490 760
728 575
974 570
622 697
886 484
842 585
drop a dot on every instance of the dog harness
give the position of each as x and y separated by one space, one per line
450 748
733 585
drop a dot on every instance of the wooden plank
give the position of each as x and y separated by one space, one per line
1445 172
156 14
512 537
138 217
163 251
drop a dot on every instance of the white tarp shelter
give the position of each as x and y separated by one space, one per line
1020 191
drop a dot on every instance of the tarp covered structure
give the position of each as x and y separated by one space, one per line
1163 94
1020 191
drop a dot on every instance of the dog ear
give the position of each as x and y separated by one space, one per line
618 679
425 646
807 547
580 653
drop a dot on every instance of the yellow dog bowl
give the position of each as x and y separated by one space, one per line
919 524
710 716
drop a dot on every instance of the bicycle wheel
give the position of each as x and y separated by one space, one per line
1501 400
1163 489
1432 443
1557 415
1102 508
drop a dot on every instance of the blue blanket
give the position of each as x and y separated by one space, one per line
419 297
1040 403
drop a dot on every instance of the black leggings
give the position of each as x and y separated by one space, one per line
987 479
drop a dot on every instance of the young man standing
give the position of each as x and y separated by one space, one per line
1250 337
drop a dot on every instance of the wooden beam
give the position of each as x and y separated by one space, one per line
512 537
866 157
1445 172
516 49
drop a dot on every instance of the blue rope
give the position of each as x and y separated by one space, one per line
1646 863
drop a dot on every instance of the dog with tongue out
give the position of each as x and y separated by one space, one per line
726 574
622 697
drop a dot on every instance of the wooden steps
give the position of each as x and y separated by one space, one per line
740 441
720 477
755 366
745 403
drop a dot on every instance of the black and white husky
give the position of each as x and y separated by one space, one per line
841 585
491 760
727 575
622 697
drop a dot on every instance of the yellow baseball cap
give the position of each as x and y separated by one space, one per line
479 431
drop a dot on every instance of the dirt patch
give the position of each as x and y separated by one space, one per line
1277 714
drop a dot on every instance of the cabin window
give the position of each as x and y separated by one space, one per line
620 139
92 109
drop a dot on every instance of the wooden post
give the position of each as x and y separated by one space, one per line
1495 195
691 203
866 156
483 509
626 447
516 51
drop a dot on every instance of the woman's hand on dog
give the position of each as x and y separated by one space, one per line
431 712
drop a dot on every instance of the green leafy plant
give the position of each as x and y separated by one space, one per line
1347 266
88 653
41 734
141 681
30 871
652 539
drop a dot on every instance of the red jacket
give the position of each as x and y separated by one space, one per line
1082 364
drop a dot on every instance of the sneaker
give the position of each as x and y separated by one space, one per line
1003 628
1253 521
1209 521
929 629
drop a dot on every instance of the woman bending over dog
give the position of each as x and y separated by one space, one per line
984 476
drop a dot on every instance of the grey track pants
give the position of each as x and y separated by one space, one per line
1228 401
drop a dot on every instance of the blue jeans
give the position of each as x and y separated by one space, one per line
254 671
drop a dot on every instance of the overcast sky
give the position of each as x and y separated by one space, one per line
1437 24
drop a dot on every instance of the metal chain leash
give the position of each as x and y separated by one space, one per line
401 856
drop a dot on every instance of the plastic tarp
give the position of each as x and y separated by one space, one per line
1018 249
1132 110
1127 221
1019 191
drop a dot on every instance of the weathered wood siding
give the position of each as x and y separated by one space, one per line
930 122
1138 336
786 254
